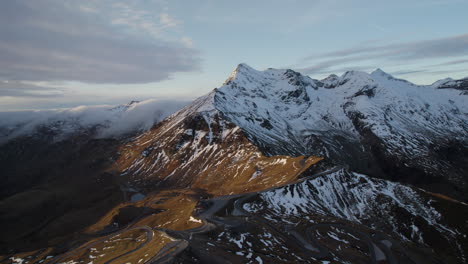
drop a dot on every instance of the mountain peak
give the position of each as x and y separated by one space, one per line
356 75
331 76
442 82
380 73
386 78
241 70
331 81
243 65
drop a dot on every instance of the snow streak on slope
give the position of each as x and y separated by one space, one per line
350 196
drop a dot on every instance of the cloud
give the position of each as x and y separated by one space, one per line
21 89
453 62
138 18
168 21
52 40
188 42
404 72
333 65
88 9
113 120
427 71
454 46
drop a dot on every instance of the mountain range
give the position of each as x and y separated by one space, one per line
271 167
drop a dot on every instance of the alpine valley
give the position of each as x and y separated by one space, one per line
271 167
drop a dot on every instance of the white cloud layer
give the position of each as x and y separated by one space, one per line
113 120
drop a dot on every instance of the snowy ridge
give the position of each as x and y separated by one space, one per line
283 107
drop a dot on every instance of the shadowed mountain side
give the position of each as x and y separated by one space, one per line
52 190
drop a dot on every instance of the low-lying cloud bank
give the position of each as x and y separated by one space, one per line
110 121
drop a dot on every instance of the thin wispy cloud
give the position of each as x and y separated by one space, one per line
426 71
168 21
49 40
453 62
441 48
140 19
188 42
22 89
407 72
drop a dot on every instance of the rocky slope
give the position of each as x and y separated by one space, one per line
198 148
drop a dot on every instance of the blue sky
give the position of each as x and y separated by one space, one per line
62 53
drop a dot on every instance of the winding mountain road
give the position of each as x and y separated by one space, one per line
307 242
313 248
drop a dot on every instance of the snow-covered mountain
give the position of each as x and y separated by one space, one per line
373 123
285 106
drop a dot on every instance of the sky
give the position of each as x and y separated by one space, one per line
65 53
